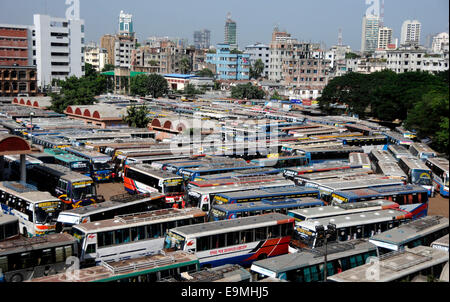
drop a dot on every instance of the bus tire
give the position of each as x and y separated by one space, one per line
16 278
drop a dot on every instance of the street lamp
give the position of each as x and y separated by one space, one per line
31 129
325 234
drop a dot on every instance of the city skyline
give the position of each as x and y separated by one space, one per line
182 19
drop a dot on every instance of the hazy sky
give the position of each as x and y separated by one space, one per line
313 20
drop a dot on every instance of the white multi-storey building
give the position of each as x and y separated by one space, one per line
384 37
410 33
369 36
123 47
58 47
259 51
95 56
440 43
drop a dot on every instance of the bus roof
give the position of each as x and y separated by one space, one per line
224 273
269 204
366 181
209 228
439 162
222 166
29 159
148 169
26 192
232 181
64 155
111 204
399 150
63 172
394 266
243 186
335 250
414 163
407 232
242 173
4 219
391 169
267 192
354 219
116 270
421 147
139 219
82 152
383 190
345 148
383 156
372 205
335 174
443 241
333 165
23 244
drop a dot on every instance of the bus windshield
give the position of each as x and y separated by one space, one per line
421 177
173 186
78 235
46 212
174 241
446 179
83 192
194 198
101 166
217 215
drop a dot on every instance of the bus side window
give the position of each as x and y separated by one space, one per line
261 234
90 248
59 254
3 264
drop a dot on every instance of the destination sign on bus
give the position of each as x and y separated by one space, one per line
173 182
340 198
79 165
220 199
81 184
49 204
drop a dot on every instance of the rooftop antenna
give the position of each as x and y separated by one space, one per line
340 37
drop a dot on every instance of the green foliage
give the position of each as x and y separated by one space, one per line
189 90
139 85
257 69
216 85
421 99
185 65
211 51
247 91
137 117
157 85
79 91
205 72
276 96
351 55
236 52
108 67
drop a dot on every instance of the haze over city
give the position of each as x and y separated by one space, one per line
315 21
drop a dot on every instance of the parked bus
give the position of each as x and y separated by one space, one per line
363 140
303 179
142 178
224 273
118 205
43 157
418 173
236 241
439 169
351 226
411 198
423 231
396 138
100 165
441 243
202 196
72 188
238 210
421 151
25 258
361 159
308 265
281 161
11 169
240 174
381 156
290 173
399 151
392 170
9 227
323 154
74 163
226 181
37 211
157 161
421 263
406 133
132 235
342 209
151 268
260 194
195 173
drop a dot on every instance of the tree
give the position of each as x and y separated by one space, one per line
137 117
236 52
205 72
108 67
189 90
157 85
247 91
257 69
140 85
185 65
276 96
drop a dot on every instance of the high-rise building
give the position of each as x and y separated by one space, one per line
384 37
126 24
202 38
369 37
59 48
278 46
230 32
108 42
410 32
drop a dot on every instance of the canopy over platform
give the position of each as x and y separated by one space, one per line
11 144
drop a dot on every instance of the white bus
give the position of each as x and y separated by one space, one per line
37 211
421 151
421 263
130 236
303 179
418 173
441 243
9 227
118 205
202 196
362 159
439 169
392 170
235 241
399 151
351 226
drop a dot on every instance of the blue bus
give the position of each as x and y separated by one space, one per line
265 193
328 153
395 138
238 210
281 161
68 160
411 198
363 140
195 173
101 168
439 168
240 174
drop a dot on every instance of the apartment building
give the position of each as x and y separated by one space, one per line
229 66
259 51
